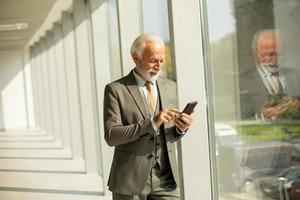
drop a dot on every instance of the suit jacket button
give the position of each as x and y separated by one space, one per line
150 156
150 137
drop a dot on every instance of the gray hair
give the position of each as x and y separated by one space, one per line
267 33
139 43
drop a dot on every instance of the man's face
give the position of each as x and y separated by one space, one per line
267 53
151 62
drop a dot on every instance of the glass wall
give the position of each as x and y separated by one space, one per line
155 20
254 75
115 59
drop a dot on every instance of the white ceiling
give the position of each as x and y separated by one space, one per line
32 12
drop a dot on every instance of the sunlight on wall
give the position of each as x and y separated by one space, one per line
13 112
14 104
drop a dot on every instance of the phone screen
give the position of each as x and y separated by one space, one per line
190 107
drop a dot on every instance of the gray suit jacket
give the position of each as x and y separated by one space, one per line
253 94
128 127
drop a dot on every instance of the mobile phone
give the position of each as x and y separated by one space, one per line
190 107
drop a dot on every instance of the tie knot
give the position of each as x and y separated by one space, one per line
148 85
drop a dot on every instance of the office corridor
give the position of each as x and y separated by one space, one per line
56 56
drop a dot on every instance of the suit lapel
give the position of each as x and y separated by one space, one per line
162 92
260 86
135 92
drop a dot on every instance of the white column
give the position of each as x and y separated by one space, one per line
130 28
62 85
86 73
42 86
36 85
39 86
33 58
29 88
73 85
46 87
53 82
102 68
186 36
43 96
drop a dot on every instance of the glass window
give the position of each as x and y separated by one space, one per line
254 75
115 56
155 20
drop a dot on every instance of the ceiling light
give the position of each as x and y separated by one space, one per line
13 27
11 38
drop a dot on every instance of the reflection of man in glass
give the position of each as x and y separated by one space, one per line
264 89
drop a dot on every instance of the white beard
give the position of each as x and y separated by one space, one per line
150 78
271 68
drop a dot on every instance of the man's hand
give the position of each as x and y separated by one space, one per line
165 116
272 112
183 121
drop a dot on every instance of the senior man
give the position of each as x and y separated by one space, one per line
142 123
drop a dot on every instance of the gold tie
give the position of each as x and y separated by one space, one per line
150 96
277 86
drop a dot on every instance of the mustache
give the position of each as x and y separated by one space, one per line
270 64
273 68
154 72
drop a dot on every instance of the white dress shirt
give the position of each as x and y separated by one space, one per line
269 81
142 86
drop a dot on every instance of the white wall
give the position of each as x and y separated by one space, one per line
12 97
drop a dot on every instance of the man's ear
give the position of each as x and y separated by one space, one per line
135 57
